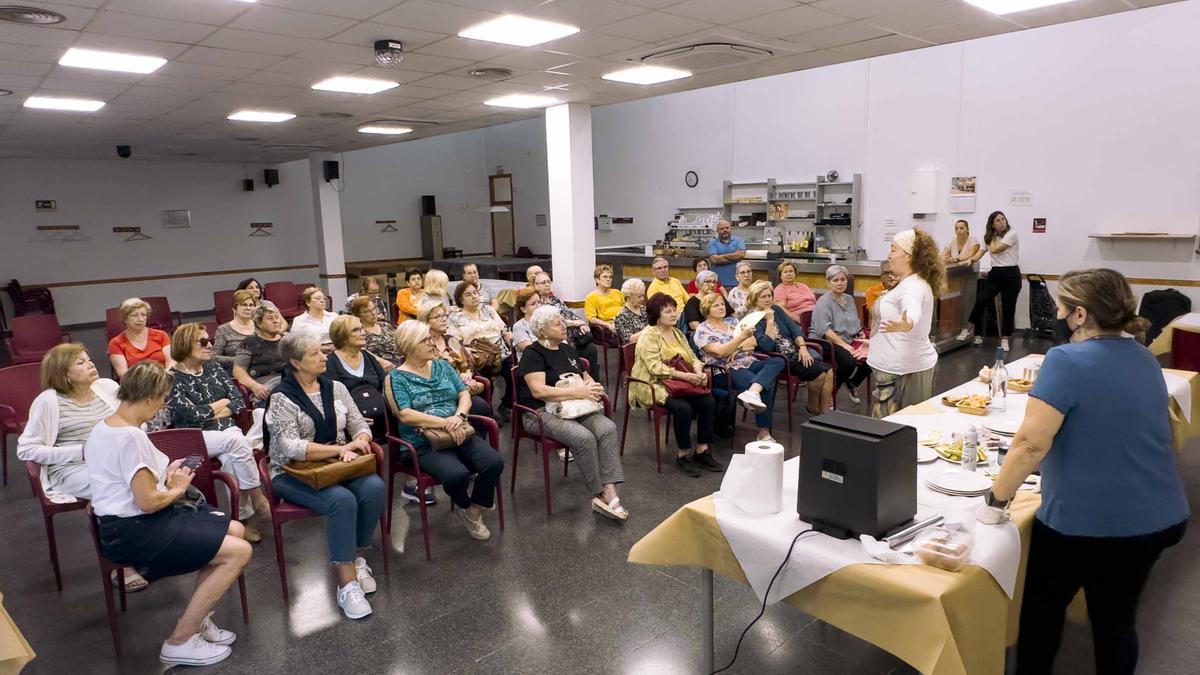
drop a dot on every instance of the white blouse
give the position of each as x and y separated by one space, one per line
910 352
1011 256
958 252
114 455
320 328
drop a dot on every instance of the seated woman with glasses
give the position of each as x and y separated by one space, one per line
358 369
229 337
380 335
258 366
737 295
777 333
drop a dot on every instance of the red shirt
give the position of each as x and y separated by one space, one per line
156 342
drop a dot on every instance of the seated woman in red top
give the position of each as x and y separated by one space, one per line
138 341
793 295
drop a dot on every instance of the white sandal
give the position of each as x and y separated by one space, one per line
612 509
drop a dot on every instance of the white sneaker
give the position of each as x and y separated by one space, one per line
963 335
214 635
365 580
1004 344
853 395
352 601
475 528
978 341
564 454
195 652
752 400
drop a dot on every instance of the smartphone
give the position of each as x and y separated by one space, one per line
192 462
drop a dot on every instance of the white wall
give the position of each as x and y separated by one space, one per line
100 195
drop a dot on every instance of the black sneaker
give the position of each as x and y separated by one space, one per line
687 466
706 461
410 493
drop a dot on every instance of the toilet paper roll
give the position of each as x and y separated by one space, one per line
754 481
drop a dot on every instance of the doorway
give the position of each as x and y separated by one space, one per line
500 190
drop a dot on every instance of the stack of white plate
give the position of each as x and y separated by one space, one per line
1002 426
957 483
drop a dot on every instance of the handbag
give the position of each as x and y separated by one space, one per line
576 407
485 355
440 439
322 473
679 387
370 401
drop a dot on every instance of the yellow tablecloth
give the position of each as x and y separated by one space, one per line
15 652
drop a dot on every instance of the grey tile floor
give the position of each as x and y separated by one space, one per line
550 594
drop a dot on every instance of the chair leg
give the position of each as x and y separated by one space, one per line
787 385
546 477
512 484
500 505
386 538
121 586
280 562
4 460
657 445
424 521
242 593
53 550
624 429
113 626
391 496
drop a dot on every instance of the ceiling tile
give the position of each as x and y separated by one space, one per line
584 14
323 50
790 21
30 54
462 48
439 105
206 71
212 13
85 87
166 50
470 96
1068 11
543 79
590 68
288 22
534 59
450 82
589 43
968 30
351 9
197 84
501 88
227 57
724 12
652 4
428 63
392 74
40 36
434 16
15 82
654 27
259 43
421 92
858 9
76 17
263 89
132 25
158 94
885 45
925 15
24 68
504 6
835 36
368 32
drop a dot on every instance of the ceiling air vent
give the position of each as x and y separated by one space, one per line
288 147
490 73
707 54
29 15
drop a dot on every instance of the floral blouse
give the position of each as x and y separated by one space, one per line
488 326
628 322
383 344
705 335
191 395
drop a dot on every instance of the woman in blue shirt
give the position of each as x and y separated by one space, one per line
1112 499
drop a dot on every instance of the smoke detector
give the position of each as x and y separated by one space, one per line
388 53
30 15
490 73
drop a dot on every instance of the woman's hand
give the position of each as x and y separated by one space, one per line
860 352
475 387
221 413
806 359
694 378
901 325
748 344
593 390
179 477
354 448
259 391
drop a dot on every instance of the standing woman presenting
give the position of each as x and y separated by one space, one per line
1004 279
902 356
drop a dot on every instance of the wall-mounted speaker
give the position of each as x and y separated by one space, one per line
271 177
248 185
332 171
428 205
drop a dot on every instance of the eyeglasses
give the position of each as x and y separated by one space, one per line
204 342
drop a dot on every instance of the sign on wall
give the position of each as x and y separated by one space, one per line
44 205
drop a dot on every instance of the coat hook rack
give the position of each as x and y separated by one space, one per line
388 225
135 233
261 229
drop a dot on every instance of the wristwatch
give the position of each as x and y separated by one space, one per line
463 415
990 500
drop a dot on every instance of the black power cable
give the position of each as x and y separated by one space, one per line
766 595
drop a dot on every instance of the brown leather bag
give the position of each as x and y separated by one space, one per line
440 439
485 355
322 473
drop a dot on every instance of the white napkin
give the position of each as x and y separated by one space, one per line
1181 391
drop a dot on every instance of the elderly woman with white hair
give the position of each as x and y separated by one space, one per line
631 320
591 438
835 318
706 282
425 392
738 294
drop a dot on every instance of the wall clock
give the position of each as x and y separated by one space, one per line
691 179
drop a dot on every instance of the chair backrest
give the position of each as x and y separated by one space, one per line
1185 350
805 322
19 385
94 528
284 294
264 476
223 306
112 322
160 311
627 352
36 332
181 443
211 327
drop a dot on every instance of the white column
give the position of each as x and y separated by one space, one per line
327 214
572 202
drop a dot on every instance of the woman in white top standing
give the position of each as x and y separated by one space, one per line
902 356
1004 279
136 496
315 319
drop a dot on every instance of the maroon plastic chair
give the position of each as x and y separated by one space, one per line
29 298
33 336
161 316
655 413
19 385
112 323
403 458
49 510
1185 350
543 442
286 297
211 328
223 306
285 512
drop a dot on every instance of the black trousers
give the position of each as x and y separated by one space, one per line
1005 282
592 354
1112 571
683 410
849 369
454 466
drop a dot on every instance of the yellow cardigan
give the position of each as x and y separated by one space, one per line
649 363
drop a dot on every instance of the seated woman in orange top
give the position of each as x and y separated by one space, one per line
138 341
408 300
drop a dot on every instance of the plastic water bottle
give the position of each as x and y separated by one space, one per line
999 384
970 450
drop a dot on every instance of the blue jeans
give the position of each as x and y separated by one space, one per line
762 372
351 509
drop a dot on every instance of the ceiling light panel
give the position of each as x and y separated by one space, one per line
1013 6
72 104
355 85
519 31
385 128
121 63
646 75
521 101
260 116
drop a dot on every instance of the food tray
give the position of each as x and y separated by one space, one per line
971 410
1020 386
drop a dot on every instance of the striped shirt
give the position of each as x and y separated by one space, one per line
76 420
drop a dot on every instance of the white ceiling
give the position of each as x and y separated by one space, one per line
226 55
